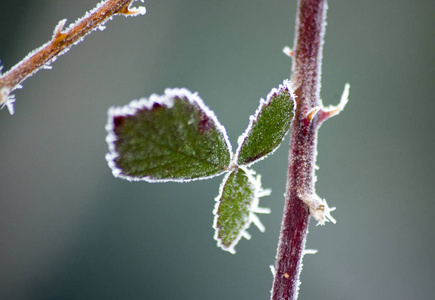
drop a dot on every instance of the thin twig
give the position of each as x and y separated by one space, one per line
301 200
61 41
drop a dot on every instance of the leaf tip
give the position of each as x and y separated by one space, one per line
236 207
268 126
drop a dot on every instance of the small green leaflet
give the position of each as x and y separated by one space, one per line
236 206
173 137
268 126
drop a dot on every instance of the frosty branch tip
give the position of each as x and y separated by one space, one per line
60 43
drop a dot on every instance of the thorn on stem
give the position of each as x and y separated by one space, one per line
328 112
312 113
58 35
272 269
127 11
287 51
310 251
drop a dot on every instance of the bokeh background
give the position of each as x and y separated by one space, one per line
69 230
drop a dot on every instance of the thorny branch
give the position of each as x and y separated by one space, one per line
61 41
301 199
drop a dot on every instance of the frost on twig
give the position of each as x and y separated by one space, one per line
60 43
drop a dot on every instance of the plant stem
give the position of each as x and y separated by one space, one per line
305 79
61 42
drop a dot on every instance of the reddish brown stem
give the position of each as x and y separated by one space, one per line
305 79
61 41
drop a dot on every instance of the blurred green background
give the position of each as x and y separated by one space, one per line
69 230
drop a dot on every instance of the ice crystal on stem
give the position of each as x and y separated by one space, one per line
7 100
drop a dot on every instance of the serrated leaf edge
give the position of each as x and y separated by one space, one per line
286 85
167 100
253 218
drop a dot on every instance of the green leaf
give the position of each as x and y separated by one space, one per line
268 126
236 206
173 137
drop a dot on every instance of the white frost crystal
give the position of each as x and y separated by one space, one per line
7 100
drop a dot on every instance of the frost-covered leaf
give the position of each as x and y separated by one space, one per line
268 126
173 137
236 206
